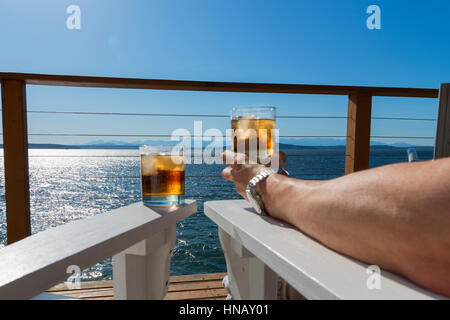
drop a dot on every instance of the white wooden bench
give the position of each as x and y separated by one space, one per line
257 249
140 240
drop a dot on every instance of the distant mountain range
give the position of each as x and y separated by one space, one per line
324 142
315 142
284 144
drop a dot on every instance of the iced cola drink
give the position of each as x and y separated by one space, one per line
162 176
254 131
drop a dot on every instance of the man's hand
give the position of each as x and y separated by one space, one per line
240 172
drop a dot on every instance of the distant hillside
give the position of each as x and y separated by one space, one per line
50 146
285 146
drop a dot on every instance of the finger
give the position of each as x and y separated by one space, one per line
278 159
226 174
225 155
228 157
240 190
282 156
232 158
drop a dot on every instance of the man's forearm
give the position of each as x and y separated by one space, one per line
397 216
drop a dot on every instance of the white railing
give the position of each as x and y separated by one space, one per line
140 240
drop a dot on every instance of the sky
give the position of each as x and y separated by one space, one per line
289 41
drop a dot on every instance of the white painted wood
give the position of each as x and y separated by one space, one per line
312 269
34 264
141 272
250 278
442 146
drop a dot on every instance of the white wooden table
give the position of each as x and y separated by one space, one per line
139 238
258 248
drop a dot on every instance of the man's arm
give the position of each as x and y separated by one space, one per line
396 216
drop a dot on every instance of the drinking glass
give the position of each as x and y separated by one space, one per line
162 175
253 131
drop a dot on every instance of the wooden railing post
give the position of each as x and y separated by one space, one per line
442 144
358 132
15 148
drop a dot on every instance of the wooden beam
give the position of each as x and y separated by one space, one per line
358 132
160 84
442 144
15 146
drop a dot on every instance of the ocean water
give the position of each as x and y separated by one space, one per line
71 184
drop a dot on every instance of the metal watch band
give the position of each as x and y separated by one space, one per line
253 197
260 176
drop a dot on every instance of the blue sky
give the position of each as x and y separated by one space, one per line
307 42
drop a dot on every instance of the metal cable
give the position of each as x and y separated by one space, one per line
212 115
137 157
156 135
201 176
174 114
193 136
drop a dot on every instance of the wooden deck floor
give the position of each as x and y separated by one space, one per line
188 287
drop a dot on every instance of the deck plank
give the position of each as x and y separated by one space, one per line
196 294
197 277
83 285
195 285
186 287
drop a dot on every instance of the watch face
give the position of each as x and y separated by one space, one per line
249 196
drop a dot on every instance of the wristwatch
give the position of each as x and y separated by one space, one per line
253 197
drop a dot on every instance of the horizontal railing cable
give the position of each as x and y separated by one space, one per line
197 176
401 137
137 157
128 198
193 136
164 135
213 115
406 119
174 114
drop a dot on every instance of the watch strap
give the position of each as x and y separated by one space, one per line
256 200
260 176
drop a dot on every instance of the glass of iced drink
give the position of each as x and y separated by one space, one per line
162 175
253 131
